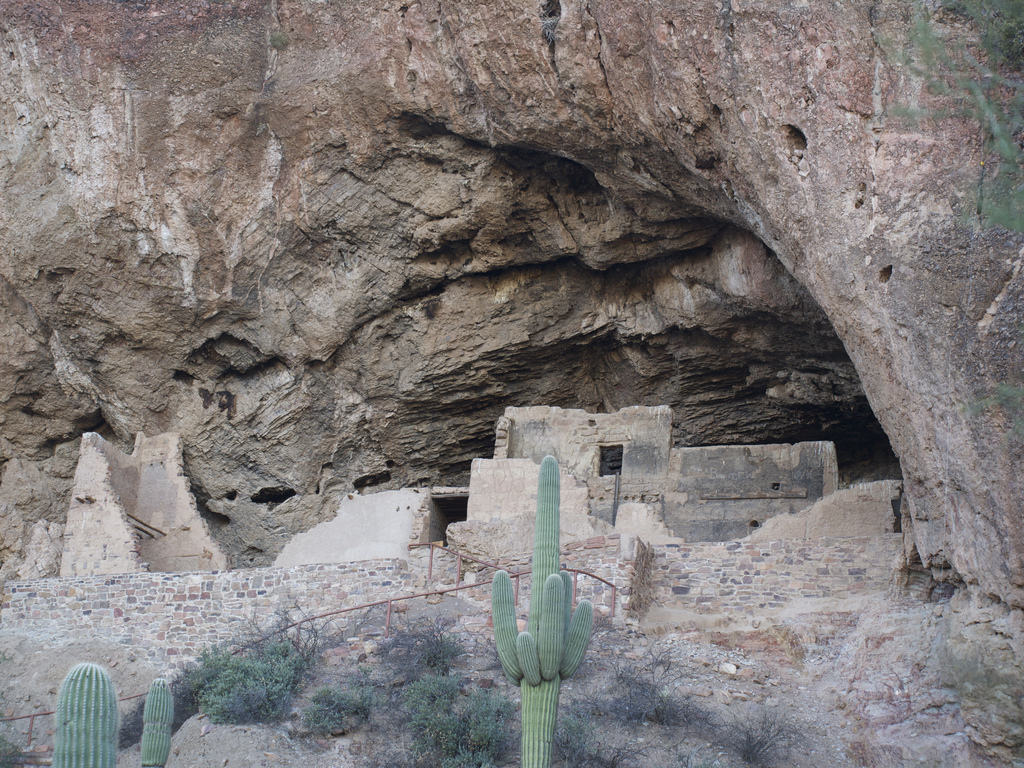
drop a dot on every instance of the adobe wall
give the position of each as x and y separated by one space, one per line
378 525
163 500
717 493
502 509
707 493
98 538
575 437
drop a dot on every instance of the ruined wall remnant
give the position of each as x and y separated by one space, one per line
502 508
132 513
632 442
866 509
371 527
726 584
723 492
98 536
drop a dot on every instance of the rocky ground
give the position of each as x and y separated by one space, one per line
855 689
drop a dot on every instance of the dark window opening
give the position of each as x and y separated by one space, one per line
446 509
273 495
897 515
611 460
776 486
754 524
366 481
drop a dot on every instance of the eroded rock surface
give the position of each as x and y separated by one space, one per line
329 263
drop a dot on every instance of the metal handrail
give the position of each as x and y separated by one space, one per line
32 718
576 572
389 602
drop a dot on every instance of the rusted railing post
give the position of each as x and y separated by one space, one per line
430 564
575 578
613 601
387 622
458 571
31 723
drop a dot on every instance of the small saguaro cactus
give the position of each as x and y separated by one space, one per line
157 718
553 644
86 720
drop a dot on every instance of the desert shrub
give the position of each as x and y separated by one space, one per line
761 737
575 738
255 684
308 637
425 647
186 697
251 687
341 709
278 41
693 758
645 692
11 755
456 731
579 743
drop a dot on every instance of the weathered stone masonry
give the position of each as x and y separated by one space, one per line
174 616
739 578
171 617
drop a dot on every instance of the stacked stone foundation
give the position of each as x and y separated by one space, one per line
742 579
171 617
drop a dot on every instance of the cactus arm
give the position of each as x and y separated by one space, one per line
505 630
551 635
529 662
86 720
545 538
157 718
567 586
577 639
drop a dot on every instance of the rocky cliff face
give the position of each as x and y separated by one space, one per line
329 243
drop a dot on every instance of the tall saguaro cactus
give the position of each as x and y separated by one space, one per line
157 717
553 644
86 720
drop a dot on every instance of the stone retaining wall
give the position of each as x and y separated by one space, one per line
757 578
600 555
171 617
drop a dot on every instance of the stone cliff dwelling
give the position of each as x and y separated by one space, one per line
330 279
620 474
134 513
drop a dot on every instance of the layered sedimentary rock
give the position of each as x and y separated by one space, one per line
329 243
